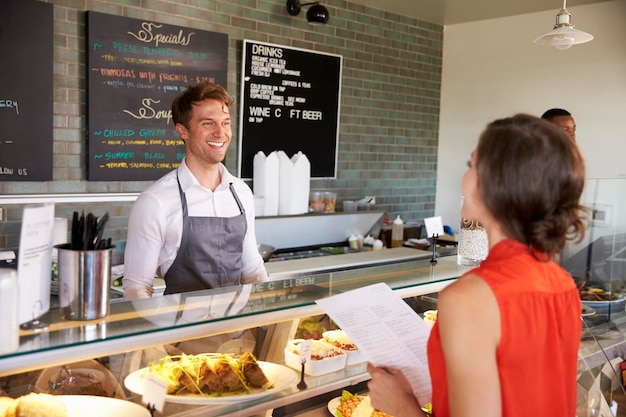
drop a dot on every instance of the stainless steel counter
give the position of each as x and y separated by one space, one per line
307 266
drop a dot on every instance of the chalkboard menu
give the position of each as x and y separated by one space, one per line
135 70
289 102
26 90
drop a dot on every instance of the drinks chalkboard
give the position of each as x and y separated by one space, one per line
135 70
289 102
26 90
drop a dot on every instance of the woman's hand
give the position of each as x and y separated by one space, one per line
391 392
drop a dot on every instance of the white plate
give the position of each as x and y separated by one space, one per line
280 377
587 311
333 404
92 406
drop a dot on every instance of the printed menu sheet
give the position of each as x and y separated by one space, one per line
387 330
34 268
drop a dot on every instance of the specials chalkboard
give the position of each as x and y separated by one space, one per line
289 102
26 90
135 70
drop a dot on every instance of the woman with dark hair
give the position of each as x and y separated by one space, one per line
507 334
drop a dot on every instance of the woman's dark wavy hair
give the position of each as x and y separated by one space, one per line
182 106
531 176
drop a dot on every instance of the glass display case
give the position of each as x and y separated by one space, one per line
598 266
271 311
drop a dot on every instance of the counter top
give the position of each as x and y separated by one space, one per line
299 267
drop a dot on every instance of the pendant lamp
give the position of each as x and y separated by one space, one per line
564 34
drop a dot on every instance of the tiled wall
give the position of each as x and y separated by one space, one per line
389 103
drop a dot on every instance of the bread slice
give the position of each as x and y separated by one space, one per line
7 406
40 405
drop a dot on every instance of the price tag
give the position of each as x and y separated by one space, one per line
434 226
154 392
305 350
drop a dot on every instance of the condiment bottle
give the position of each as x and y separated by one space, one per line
397 233
353 241
9 321
360 239
368 243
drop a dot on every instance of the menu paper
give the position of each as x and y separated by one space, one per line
386 330
35 261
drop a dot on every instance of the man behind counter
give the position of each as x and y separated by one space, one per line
194 226
563 119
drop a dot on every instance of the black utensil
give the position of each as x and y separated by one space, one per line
74 234
88 231
99 230
80 234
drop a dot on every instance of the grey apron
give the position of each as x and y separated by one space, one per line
210 251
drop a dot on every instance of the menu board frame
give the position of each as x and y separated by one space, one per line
290 101
135 70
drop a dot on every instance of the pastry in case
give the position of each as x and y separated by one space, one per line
325 358
80 378
341 340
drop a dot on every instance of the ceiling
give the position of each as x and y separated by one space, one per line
450 12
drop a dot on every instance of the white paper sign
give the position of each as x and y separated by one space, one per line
434 226
154 392
386 330
305 350
34 269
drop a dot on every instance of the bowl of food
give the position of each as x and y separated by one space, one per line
601 300
266 251
79 378
340 339
430 317
325 358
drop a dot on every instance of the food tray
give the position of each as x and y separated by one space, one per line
315 367
352 356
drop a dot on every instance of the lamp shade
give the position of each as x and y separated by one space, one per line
317 15
564 34
564 37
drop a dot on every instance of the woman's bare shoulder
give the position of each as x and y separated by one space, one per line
468 286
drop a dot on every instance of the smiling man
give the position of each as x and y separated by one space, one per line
195 226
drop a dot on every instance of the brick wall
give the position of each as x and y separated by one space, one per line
389 103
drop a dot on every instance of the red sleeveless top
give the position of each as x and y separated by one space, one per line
541 328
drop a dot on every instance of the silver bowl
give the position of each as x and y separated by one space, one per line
266 251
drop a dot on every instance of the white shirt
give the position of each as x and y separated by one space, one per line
155 227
